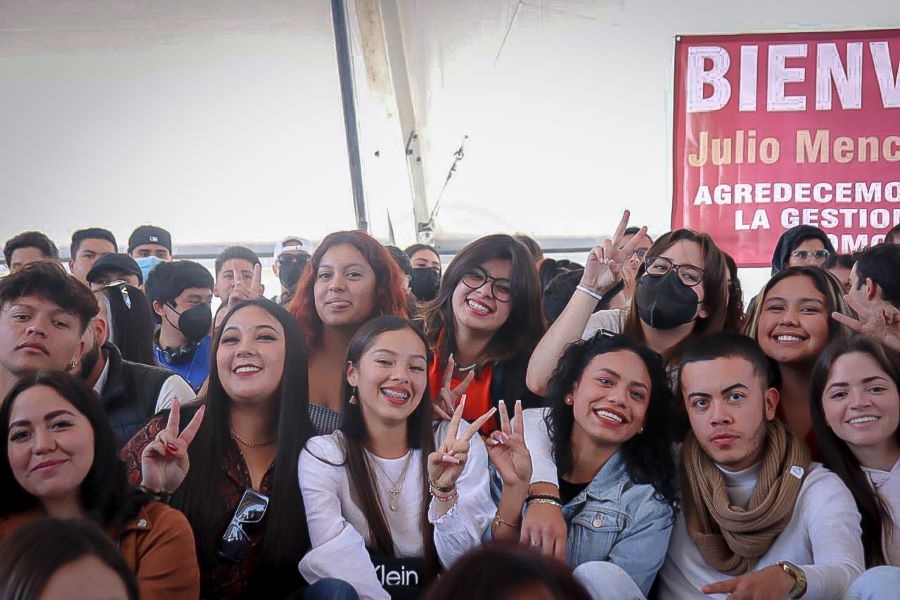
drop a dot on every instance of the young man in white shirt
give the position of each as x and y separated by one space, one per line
758 519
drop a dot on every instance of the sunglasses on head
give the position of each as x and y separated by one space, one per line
235 543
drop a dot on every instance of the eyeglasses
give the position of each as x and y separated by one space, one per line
476 277
657 266
640 252
287 259
808 255
118 283
235 543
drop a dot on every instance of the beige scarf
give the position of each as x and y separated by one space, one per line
731 538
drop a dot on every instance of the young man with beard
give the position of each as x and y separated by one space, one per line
758 519
180 293
43 314
131 393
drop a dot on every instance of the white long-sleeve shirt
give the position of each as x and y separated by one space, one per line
823 538
338 529
887 485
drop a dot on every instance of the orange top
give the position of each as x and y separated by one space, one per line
478 394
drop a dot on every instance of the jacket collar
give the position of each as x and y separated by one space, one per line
115 380
608 483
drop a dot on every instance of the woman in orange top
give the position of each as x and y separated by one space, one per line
61 461
483 325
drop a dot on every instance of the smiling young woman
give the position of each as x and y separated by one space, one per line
60 460
792 323
483 325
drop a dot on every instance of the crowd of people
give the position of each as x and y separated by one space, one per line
512 426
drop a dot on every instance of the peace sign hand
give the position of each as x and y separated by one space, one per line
881 322
446 463
445 403
508 451
240 292
164 461
603 267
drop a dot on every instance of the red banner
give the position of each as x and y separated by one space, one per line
773 131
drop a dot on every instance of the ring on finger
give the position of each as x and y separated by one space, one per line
535 543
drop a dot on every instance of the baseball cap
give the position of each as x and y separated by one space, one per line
294 243
114 262
149 234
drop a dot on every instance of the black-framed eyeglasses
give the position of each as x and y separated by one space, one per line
476 277
657 266
235 543
118 283
640 252
807 255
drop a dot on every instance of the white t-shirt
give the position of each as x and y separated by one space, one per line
823 538
339 531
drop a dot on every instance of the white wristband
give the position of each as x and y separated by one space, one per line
589 292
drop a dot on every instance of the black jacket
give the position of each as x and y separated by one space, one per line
130 393
508 384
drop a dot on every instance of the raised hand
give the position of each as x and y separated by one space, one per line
242 292
446 463
508 451
603 267
881 322
164 461
445 403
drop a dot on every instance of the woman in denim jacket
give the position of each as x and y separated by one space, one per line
610 428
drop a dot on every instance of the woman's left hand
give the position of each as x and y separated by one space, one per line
447 462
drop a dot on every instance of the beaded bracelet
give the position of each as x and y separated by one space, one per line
441 498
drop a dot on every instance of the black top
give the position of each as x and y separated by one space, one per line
568 491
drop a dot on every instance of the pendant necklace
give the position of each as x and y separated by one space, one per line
396 486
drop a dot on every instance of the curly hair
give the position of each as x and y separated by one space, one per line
390 291
648 456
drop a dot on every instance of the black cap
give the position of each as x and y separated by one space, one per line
149 234
117 262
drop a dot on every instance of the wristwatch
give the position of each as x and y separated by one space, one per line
799 578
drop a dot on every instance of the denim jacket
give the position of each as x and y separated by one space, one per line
616 520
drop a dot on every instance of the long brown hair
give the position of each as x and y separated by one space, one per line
419 435
715 293
390 288
525 324
836 455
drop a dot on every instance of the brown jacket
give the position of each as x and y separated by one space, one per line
157 544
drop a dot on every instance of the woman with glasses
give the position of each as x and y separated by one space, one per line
350 279
233 472
856 419
483 326
61 462
392 495
680 294
793 324
801 246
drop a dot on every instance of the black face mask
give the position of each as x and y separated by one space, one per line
194 322
425 283
664 302
289 271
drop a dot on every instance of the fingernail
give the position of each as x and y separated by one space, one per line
172 447
504 437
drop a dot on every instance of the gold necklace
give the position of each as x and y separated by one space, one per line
248 444
396 486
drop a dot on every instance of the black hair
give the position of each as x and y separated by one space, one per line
648 456
33 553
502 571
241 252
558 292
131 323
531 244
845 261
410 250
168 280
286 536
881 264
525 325
550 268
30 239
893 235
728 344
734 312
50 281
401 258
107 497
837 456
419 435
791 239
635 231
91 233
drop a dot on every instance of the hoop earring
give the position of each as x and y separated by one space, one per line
353 399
